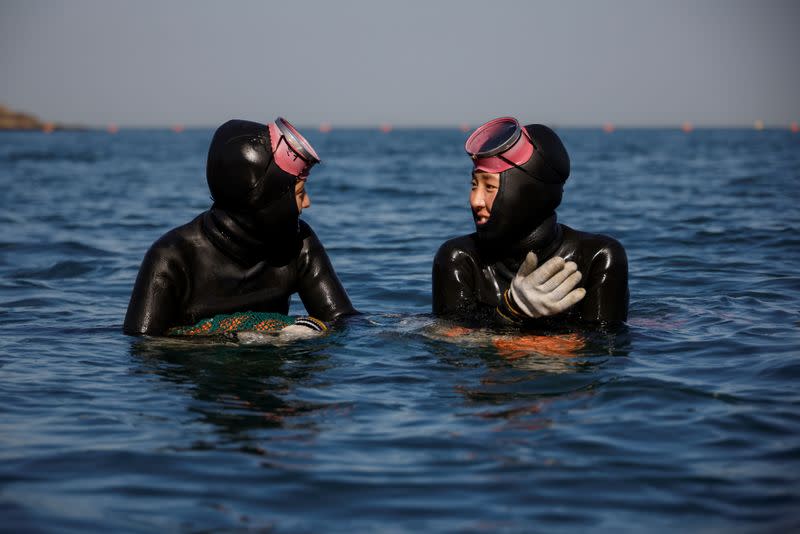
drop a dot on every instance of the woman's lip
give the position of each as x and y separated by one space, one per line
480 220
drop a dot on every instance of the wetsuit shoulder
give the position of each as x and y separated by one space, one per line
323 295
604 251
178 249
604 264
162 280
177 242
456 278
307 235
457 249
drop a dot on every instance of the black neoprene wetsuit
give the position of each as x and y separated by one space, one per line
471 273
249 252
209 266
468 284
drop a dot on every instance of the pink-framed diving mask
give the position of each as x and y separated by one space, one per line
499 145
291 151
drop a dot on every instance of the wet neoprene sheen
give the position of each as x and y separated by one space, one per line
249 252
471 272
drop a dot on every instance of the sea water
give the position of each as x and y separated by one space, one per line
688 418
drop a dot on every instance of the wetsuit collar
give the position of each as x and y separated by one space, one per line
544 240
231 238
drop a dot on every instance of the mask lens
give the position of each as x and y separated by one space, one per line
494 137
293 153
499 145
297 141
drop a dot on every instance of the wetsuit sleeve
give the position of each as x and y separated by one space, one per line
156 297
319 288
454 288
606 286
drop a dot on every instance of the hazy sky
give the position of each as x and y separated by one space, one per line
634 62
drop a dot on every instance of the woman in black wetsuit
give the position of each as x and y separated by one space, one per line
491 276
249 251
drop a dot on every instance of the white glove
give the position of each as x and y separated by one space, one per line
548 290
297 331
303 328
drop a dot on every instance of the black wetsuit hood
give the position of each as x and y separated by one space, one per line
527 197
248 187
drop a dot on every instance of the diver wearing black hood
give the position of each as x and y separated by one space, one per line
472 274
249 252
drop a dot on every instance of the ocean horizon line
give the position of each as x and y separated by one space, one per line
387 127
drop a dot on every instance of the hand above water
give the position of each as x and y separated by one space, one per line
546 290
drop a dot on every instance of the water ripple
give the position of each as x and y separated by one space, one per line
686 420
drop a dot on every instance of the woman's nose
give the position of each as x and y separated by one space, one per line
478 200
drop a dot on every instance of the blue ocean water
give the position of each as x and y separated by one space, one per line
689 418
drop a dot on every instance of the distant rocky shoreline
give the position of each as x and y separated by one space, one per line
17 120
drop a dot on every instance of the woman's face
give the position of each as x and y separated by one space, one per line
481 198
301 195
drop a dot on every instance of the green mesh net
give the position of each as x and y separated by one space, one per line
234 322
